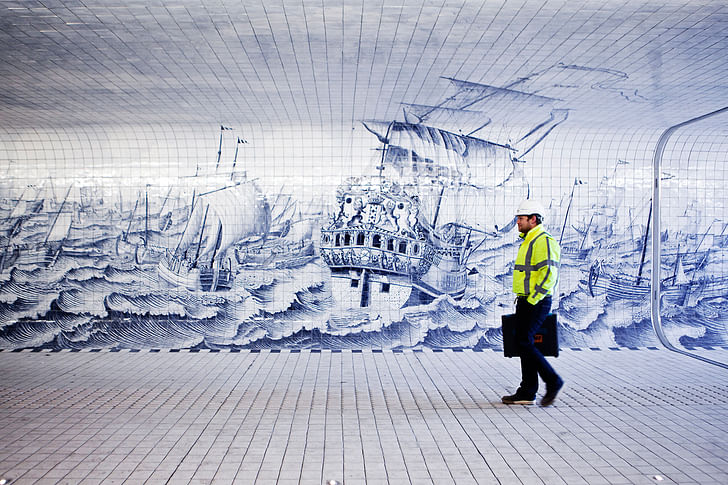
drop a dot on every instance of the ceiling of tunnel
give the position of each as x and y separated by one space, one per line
641 63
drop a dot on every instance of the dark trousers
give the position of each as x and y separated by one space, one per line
529 319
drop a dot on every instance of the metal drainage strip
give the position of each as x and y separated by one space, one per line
649 396
675 395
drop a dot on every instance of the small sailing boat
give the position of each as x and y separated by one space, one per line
220 219
45 253
288 243
621 285
230 214
140 246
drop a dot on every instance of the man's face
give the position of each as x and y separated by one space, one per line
525 223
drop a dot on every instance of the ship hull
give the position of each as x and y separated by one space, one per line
368 245
371 267
278 256
629 288
364 288
43 255
189 279
177 273
446 276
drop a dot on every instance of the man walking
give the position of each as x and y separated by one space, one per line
534 277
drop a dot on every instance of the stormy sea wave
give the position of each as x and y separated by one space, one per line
92 301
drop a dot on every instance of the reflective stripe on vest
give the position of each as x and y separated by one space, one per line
538 288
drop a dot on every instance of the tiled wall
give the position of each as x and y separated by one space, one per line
107 234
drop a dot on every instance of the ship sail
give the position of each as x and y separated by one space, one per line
588 241
475 105
522 120
449 173
223 218
680 277
441 153
61 224
61 227
468 121
19 210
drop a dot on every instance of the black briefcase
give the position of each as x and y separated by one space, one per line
546 339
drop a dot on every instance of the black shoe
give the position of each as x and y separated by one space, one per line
550 396
515 399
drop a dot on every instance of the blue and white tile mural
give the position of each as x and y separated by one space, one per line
414 249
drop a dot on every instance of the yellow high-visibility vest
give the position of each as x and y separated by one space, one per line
537 265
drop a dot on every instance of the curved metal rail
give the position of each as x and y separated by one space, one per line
655 293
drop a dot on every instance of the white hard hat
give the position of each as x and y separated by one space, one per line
530 206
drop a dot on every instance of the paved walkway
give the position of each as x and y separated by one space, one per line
625 416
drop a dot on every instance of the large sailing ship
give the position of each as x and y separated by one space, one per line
403 235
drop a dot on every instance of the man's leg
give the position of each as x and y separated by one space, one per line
524 340
533 363
539 363
547 373
529 377
526 392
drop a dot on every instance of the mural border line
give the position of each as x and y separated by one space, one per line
329 351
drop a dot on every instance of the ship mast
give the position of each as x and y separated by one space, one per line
219 148
568 207
131 219
644 244
437 208
385 142
146 215
707 253
235 159
58 213
202 231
